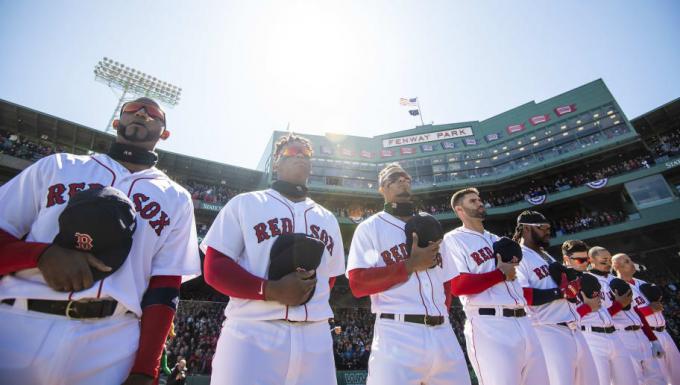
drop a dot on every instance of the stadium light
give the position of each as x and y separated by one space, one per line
134 83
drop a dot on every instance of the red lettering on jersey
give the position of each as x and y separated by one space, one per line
315 231
404 251
160 223
487 253
74 188
639 301
477 258
324 237
542 271
261 232
138 199
387 257
330 244
274 227
54 195
395 253
149 211
286 226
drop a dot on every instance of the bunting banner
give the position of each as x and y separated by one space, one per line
515 128
426 147
366 154
386 153
346 152
491 137
537 200
407 150
326 150
538 119
596 184
563 110
470 141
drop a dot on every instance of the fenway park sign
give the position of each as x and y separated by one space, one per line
428 137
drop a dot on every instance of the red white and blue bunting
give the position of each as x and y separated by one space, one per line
537 200
596 184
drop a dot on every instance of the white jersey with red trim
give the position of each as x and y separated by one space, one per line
628 317
245 230
655 319
532 272
600 318
472 252
380 241
164 242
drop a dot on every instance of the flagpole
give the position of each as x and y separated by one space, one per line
420 111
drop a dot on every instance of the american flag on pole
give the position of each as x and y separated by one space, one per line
408 101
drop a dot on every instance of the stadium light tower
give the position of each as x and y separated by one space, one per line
134 83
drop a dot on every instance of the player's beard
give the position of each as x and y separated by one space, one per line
540 242
137 134
478 213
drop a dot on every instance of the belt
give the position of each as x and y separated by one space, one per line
632 328
70 309
569 325
597 329
506 312
417 319
659 329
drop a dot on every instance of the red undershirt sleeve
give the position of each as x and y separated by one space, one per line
645 325
155 325
614 308
367 281
646 310
468 283
447 292
331 282
16 254
229 278
583 310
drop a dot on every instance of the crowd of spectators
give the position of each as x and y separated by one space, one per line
666 144
210 193
582 222
20 147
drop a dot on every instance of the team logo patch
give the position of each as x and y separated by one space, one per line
84 242
597 183
537 200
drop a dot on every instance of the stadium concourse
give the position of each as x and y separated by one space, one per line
576 157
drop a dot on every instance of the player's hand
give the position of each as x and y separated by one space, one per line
656 306
138 379
624 299
595 303
422 258
507 268
68 270
657 349
293 289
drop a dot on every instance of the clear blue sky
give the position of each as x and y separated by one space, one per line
249 67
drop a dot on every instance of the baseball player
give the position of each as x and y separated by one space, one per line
271 335
575 256
413 341
501 342
566 352
612 359
59 325
636 333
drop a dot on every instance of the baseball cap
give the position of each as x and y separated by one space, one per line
100 221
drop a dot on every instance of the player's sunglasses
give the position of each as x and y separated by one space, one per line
579 259
394 178
296 149
151 110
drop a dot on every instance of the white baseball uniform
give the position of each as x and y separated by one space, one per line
566 352
670 362
502 350
646 366
405 352
612 359
265 342
44 348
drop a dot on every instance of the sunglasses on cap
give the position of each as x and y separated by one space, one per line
295 149
154 112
